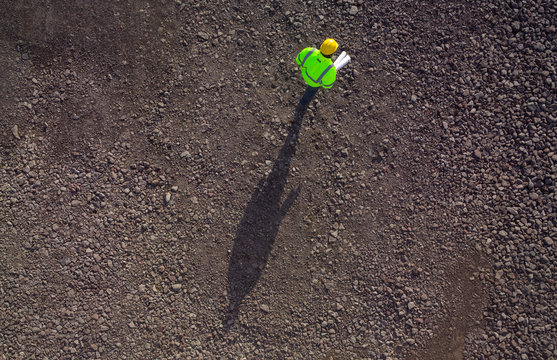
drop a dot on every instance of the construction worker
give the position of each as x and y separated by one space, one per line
317 68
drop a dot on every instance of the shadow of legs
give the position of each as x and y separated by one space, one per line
308 95
259 226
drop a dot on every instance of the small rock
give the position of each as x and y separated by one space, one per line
264 308
15 132
539 46
203 36
167 197
176 287
353 10
512 210
515 25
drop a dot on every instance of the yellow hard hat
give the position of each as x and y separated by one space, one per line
328 47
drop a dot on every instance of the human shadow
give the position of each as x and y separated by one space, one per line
259 226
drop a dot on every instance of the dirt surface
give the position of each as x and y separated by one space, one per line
164 197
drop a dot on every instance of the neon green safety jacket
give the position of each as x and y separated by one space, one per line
317 70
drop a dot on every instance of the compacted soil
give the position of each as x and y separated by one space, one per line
162 195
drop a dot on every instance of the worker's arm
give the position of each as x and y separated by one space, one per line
329 78
302 55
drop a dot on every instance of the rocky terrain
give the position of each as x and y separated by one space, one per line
162 196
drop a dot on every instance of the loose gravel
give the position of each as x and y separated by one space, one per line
163 198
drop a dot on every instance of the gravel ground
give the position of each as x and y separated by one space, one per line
163 198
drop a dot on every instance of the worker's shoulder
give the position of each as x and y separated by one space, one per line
308 49
303 55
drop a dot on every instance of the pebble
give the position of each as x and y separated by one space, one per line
203 35
15 132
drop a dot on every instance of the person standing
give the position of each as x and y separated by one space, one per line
317 68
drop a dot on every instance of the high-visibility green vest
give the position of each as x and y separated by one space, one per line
317 70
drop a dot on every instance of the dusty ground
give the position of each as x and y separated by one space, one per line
163 197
